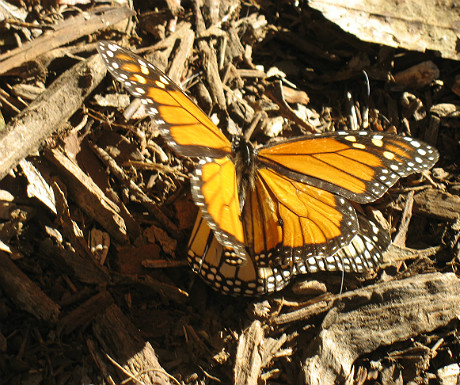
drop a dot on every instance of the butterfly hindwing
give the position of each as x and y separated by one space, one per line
217 265
186 128
364 252
287 217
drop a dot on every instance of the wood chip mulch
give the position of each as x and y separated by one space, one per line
95 209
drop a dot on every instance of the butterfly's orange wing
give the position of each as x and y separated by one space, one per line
358 165
182 123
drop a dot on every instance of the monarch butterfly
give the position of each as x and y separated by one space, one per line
218 267
289 199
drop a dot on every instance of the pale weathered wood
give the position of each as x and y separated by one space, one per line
248 360
63 33
121 340
382 314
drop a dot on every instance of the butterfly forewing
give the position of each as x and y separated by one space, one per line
358 165
180 120
215 190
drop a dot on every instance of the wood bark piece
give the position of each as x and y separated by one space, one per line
275 93
24 134
248 363
210 64
85 269
121 340
365 319
86 312
25 293
69 30
413 25
438 204
182 55
90 197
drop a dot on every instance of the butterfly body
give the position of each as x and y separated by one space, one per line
286 205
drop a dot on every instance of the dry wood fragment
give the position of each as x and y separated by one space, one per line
248 360
48 112
86 312
90 197
396 254
210 63
445 110
182 55
250 73
150 205
438 204
400 238
275 93
84 268
121 340
303 313
38 186
309 287
417 76
25 293
449 375
65 32
70 228
382 314
412 25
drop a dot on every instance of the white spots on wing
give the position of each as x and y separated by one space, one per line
350 138
377 142
389 155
